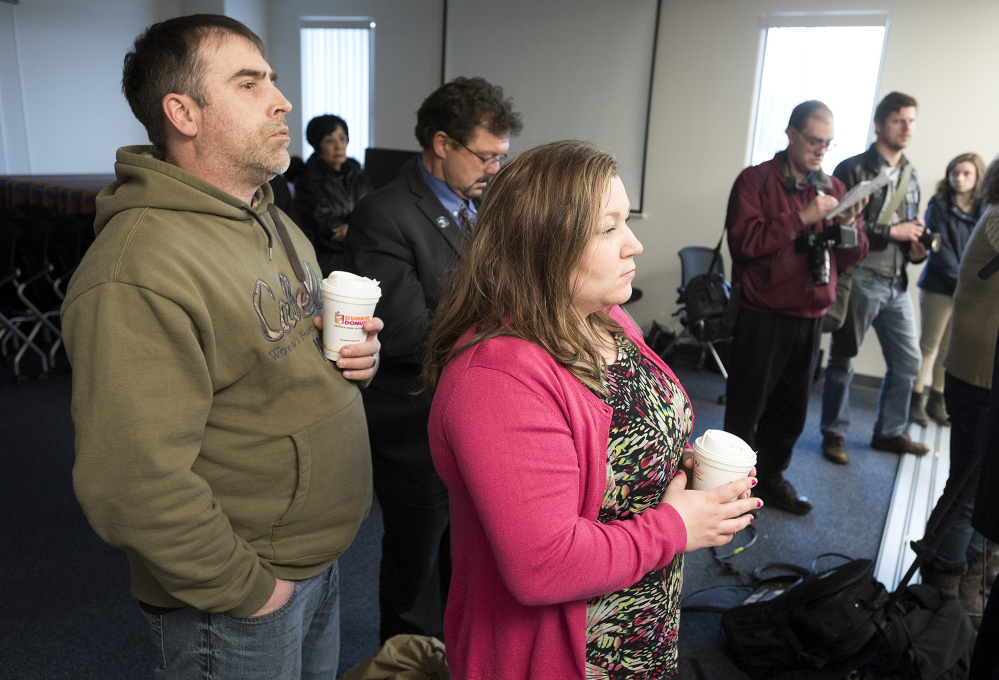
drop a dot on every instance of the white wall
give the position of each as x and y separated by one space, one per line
71 115
60 83
584 73
253 13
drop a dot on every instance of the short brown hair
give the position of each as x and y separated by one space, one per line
533 228
893 101
462 105
166 58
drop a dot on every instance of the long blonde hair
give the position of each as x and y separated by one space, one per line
538 217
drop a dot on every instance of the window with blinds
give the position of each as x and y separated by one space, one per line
337 56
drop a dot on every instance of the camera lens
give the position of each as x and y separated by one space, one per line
818 265
931 240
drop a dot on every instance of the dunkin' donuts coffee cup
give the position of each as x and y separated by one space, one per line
348 301
720 458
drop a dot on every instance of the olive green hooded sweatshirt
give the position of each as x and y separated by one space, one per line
214 443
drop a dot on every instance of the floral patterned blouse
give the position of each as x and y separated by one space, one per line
632 633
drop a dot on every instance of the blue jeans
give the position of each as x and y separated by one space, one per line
883 303
301 639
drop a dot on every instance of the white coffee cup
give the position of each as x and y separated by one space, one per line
720 458
348 301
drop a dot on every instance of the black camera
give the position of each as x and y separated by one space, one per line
931 240
816 248
927 238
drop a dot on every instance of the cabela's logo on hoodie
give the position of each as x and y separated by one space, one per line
280 319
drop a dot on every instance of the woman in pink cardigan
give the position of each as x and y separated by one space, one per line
560 435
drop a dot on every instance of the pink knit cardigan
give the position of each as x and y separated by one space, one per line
522 447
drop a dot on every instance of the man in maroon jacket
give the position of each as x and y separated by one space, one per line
786 256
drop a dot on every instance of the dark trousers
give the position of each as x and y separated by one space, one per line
769 375
416 553
968 407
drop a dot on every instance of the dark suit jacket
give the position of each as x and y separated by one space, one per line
395 236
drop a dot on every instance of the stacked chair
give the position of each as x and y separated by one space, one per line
39 250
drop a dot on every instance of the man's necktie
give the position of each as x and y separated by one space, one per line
465 220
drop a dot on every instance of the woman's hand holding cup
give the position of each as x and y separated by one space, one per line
712 517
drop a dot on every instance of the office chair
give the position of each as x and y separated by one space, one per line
384 165
695 261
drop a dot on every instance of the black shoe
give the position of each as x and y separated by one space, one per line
783 497
900 443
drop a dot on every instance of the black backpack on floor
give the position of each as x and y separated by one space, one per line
832 623
842 620
928 636
825 626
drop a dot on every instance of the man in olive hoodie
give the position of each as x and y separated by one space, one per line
214 443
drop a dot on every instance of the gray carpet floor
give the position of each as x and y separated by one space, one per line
68 613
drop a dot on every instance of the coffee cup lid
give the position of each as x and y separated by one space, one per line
352 283
724 446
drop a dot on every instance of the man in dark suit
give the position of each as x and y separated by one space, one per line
408 235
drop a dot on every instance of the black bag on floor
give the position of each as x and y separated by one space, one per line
842 620
822 628
928 636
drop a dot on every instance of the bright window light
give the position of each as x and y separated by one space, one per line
839 65
336 78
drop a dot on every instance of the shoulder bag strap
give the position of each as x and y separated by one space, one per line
896 200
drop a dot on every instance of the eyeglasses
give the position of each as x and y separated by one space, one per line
816 143
485 161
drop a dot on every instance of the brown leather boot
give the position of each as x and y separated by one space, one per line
947 580
970 590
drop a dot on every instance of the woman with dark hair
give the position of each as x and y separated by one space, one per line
561 438
953 212
327 190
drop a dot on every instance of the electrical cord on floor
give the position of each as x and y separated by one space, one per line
728 567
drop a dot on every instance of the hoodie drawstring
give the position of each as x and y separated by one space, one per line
285 237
